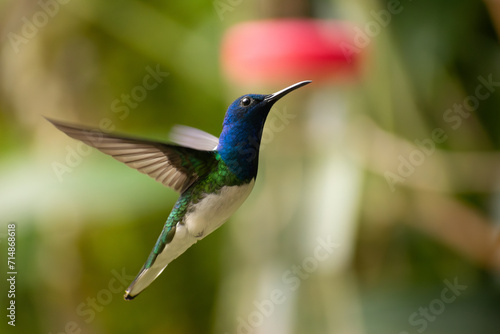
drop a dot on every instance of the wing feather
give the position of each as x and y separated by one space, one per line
174 166
193 138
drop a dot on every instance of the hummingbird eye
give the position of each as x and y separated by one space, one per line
246 101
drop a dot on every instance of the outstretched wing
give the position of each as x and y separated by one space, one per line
174 166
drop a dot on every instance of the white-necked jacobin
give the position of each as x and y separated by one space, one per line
213 175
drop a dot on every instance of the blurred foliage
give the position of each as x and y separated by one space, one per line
103 218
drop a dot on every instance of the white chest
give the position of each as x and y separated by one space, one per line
213 210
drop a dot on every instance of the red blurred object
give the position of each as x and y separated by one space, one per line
278 51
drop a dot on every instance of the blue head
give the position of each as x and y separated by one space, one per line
239 141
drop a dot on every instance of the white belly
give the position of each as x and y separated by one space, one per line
206 216
215 209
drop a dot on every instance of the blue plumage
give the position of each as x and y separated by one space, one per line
240 139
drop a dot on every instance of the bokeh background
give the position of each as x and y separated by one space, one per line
377 204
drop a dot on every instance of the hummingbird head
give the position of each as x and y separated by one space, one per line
242 129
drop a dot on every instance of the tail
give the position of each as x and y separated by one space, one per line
142 281
171 243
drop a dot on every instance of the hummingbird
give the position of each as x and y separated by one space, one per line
213 175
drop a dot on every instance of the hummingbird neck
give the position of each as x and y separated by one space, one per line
239 149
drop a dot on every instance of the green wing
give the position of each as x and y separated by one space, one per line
174 166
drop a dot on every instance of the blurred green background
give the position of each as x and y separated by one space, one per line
338 171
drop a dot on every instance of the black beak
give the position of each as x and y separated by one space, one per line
278 95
